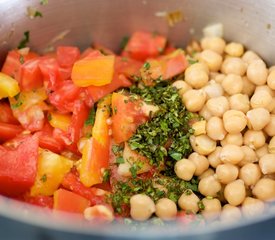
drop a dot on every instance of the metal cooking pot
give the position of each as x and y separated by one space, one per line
81 22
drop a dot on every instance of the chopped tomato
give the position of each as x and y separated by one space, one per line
6 115
9 131
127 66
127 115
18 166
67 55
41 201
143 45
69 202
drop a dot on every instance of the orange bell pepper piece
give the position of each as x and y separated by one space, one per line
8 86
61 121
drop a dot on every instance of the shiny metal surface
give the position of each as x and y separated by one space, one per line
107 21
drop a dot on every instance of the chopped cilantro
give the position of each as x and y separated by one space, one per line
134 169
21 59
201 205
91 117
49 117
117 149
25 40
38 14
43 178
120 160
44 2
124 42
16 105
106 175
192 61
146 65
16 97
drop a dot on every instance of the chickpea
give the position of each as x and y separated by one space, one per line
234 49
142 207
202 144
233 138
182 86
214 157
257 118
250 173
248 87
264 189
212 207
249 156
250 56
216 44
234 121
239 102
215 129
194 100
267 163
254 139
271 106
166 209
270 127
207 173
232 84
260 99
217 106
272 68
209 186
212 59
252 207
188 201
271 79
185 169
227 173
98 211
199 127
200 161
257 72
262 151
233 65
196 77
230 213
231 154
271 146
205 113
219 77
234 192
213 89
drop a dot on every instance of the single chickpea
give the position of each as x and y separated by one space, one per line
182 86
215 129
257 72
234 49
250 173
270 127
239 102
257 118
227 173
185 169
250 56
214 157
234 121
188 201
166 209
209 186
233 65
230 213
200 161
216 44
263 150
219 78
213 89
271 106
271 79
264 189
202 144
231 154
271 68
207 173
232 84
235 193
99 212
199 127
212 207
205 113
212 59
233 138
142 207
252 207
217 106
271 146
254 139
267 163
249 156
194 100
260 98
248 87
196 77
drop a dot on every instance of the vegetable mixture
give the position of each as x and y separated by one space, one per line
154 131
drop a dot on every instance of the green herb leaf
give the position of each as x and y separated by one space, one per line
91 118
16 105
175 155
106 175
116 149
120 160
124 42
192 61
38 14
21 59
43 178
201 205
44 2
146 65
25 40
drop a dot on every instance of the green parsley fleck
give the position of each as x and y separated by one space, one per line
43 178
201 205
25 40
116 149
124 42
38 14
49 117
91 118
44 2
16 105
106 175
134 169
192 61
21 59
120 160
16 97
146 65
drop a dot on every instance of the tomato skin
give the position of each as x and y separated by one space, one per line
6 115
18 166
143 45
67 55
9 131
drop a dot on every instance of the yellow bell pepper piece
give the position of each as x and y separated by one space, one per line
96 71
61 121
8 86
51 171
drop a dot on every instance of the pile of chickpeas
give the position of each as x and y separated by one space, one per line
234 145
